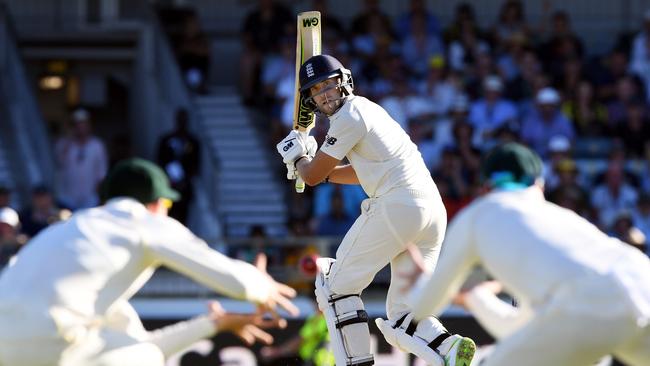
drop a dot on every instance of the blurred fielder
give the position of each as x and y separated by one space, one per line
404 207
589 293
66 296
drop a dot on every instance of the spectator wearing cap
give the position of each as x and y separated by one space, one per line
641 217
491 112
10 239
559 149
440 89
83 163
545 121
42 212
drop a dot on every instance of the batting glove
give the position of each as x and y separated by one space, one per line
292 172
292 147
312 146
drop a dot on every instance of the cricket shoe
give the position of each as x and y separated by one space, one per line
457 350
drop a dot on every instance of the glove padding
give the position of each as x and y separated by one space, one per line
312 146
295 145
292 172
292 147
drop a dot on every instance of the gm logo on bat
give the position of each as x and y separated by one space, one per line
308 22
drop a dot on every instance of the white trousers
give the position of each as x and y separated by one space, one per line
99 348
579 324
379 237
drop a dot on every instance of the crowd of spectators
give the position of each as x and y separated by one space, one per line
82 162
459 88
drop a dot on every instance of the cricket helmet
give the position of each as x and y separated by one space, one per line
320 68
511 165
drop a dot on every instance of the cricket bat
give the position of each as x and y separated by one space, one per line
308 44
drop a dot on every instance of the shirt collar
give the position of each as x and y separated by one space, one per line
126 204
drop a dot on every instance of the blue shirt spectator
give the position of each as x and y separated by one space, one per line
417 8
352 196
613 195
545 121
491 112
336 222
419 47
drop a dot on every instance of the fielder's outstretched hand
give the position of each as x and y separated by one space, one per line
495 287
280 293
418 268
248 327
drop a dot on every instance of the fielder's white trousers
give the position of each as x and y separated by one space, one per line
99 348
581 322
379 236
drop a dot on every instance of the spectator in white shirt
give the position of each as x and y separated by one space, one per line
82 161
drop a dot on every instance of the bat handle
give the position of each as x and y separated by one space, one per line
300 185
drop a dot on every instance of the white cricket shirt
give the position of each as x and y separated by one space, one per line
79 273
533 247
381 153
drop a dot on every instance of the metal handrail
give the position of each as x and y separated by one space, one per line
31 138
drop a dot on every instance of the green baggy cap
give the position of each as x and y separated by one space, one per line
511 165
139 179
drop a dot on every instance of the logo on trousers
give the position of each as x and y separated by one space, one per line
330 140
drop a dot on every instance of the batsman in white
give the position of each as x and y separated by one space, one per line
404 207
64 301
589 293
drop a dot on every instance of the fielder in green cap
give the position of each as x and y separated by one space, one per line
67 295
139 179
582 294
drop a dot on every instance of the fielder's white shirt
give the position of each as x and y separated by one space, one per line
381 153
81 272
533 247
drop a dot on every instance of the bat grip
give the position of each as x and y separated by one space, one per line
300 185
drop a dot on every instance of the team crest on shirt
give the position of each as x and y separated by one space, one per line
330 140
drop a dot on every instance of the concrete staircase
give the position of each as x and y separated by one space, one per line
248 193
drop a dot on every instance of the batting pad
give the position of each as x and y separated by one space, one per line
347 321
